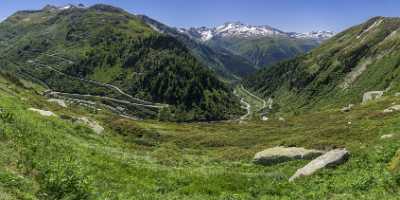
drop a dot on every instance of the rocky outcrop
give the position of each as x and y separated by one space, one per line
282 154
43 112
329 159
372 95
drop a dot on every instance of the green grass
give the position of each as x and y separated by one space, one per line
51 158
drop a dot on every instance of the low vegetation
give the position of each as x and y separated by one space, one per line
53 158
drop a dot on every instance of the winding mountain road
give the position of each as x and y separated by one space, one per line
250 102
247 107
113 87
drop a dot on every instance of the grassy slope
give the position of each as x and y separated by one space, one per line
109 45
44 158
317 79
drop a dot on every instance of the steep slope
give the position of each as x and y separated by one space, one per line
264 51
261 45
105 51
227 65
360 59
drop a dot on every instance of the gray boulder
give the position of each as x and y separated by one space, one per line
329 159
282 154
392 109
372 95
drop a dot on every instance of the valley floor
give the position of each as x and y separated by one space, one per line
56 158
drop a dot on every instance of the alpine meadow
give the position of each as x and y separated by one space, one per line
100 102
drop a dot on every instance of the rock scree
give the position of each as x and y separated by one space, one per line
330 159
281 154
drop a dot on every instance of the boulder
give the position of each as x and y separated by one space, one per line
330 159
347 108
282 154
264 118
60 102
387 136
392 109
43 112
96 127
372 95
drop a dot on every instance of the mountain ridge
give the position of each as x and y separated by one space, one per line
242 30
71 50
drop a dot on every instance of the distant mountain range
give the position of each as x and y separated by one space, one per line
235 50
105 51
241 30
262 46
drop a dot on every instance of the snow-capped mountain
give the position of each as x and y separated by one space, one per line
241 30
318 35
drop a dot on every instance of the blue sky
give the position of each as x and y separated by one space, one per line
288 15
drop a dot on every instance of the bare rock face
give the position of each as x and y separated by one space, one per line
282 154
43 112
373 95
329 159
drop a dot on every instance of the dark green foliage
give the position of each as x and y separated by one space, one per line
64 49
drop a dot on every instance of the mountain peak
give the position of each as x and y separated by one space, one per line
242 30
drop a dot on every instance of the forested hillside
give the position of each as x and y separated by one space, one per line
105 51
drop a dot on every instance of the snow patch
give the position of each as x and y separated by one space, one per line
238 29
